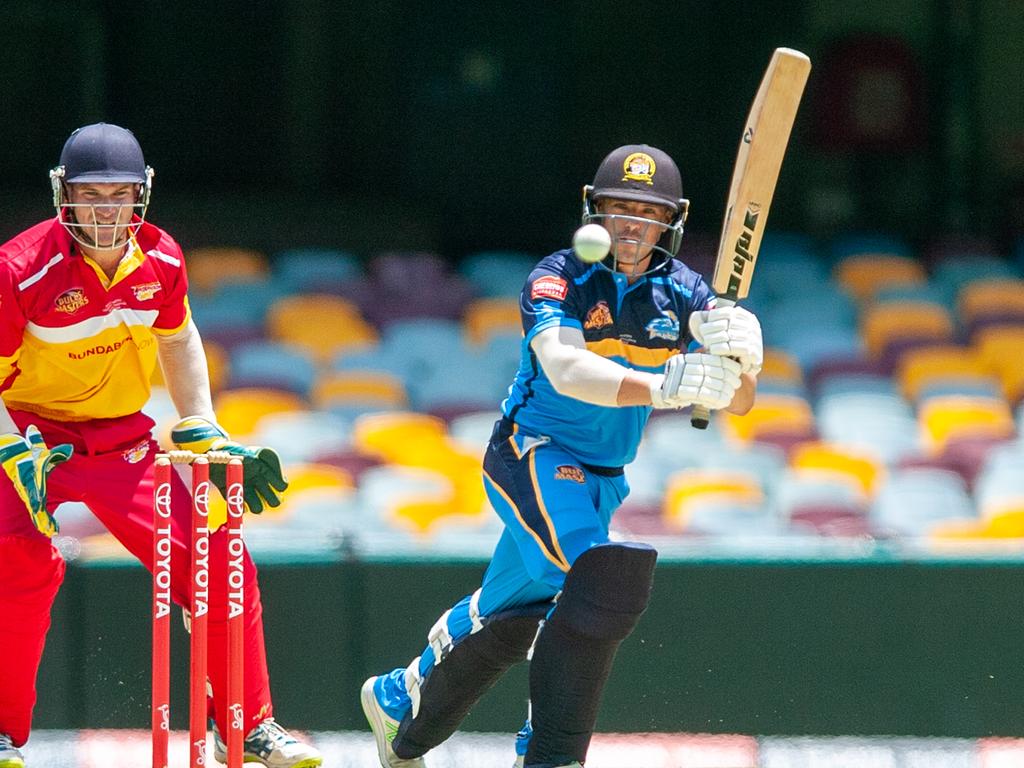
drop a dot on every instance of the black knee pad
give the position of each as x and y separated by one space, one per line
606 590
464 674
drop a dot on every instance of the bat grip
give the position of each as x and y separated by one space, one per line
700 416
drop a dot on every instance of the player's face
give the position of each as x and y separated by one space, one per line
103 211
634 237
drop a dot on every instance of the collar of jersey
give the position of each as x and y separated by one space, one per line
131 261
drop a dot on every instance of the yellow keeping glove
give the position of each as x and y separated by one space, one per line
27 461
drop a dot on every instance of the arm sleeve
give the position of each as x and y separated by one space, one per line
575 371
174 312
548 301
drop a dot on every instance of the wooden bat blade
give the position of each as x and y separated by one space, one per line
762 147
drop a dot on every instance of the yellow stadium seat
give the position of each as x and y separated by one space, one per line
780 365
321 324
918 367
772 413
212 266
340 388
421 441
216 362
842 462
1001 350
688 488
986 297
882 324
948 418
486 317
864 273
238 410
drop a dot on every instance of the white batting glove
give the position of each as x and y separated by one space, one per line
696 378
731 332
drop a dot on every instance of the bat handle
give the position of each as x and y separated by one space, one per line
699 417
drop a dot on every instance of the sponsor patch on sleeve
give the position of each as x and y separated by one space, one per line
549 287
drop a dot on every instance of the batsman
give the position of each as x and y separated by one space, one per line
90 301
605 341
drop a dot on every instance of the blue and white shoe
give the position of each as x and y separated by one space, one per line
10 755
522 742
384 725
271 745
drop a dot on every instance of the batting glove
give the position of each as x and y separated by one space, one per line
261 467
696 378
27 461
731 332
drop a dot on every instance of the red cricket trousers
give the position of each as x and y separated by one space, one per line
112 473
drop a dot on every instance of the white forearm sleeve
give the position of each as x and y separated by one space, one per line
574 370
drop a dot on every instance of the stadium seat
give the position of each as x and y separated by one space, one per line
771 413
714 502
323 325
879 423
943 419
882 324
302 436
239 410
862 274
850 244
497 274
780 365
939 364
488 317
837 460
274 365
799 489
1001 299
999 349
914 500
343 391
211 266
308 270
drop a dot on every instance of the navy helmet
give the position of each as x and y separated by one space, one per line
101 153
641 173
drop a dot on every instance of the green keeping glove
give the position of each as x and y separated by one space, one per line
263 478
27 461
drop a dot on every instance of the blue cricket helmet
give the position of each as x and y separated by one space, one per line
103 153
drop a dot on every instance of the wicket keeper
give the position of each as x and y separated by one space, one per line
89 302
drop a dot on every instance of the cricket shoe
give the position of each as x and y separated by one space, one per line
270 744
10 755
385 728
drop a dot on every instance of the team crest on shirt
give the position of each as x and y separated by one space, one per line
570 472
145 291
136 453
599 316
71 301
664 327
549 287
639 166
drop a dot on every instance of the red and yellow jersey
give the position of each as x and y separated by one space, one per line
75 345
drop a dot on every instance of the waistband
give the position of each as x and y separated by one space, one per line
504 428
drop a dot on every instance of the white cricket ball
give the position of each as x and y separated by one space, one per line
591 243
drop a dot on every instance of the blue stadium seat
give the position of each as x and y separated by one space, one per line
912 500
497 273
267 364
303 270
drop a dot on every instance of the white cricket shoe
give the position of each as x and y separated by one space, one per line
384 728
270 744
10 755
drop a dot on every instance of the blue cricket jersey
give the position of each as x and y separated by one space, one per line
638 326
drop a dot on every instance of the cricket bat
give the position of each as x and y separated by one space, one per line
754 175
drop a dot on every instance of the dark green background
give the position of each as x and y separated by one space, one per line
460 126
862 647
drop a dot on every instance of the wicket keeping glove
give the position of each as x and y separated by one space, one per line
261 467
27 461
696 378
731 332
